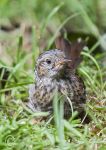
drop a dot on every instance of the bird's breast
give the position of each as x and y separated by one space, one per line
45 91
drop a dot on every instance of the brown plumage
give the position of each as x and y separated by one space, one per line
56 69
71 50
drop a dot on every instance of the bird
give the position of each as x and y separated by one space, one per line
55 69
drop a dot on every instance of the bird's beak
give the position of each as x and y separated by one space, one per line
62 62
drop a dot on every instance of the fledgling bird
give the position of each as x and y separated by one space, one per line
56 69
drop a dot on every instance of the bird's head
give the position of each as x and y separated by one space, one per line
51 64
60 61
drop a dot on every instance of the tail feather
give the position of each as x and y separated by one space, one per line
72 50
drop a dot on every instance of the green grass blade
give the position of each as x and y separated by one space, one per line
60 27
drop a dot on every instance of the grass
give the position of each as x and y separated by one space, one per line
18 128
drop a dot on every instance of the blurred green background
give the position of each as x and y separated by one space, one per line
79 17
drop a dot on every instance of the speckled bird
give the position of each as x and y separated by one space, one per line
56 70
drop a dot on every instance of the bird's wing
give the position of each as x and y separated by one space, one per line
32 101
79 88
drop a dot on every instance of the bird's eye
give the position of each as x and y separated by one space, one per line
48 61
